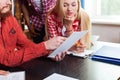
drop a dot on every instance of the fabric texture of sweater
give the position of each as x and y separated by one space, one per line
15 48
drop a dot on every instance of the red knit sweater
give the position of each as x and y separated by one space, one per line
15 48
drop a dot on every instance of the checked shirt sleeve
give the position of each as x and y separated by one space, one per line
48 5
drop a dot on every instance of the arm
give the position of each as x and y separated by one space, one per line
48 5
51 26
23 49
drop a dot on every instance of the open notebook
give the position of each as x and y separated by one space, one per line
84 54
107 54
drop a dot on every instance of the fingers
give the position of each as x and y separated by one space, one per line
60 40
60 57
2 72
63 55
53 43
80 49
57 57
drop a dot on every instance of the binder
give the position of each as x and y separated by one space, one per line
107 54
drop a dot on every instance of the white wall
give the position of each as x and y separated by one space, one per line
107 32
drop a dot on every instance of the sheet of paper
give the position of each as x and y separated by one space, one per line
84 54
13 76
56 76
74 37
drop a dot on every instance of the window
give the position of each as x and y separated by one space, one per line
108 10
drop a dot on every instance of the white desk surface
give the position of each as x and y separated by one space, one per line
99 44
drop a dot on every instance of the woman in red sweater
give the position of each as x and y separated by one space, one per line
15 48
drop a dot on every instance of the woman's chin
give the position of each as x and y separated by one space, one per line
69 16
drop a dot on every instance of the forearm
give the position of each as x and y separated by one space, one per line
18 56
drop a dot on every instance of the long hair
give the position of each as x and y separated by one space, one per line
82 16
86 25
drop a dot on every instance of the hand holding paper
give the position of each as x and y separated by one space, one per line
74 37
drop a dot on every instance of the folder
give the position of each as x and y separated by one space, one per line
107 54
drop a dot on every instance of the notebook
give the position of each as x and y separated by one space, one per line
84 54
107 54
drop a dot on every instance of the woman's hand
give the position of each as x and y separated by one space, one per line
78 47
54 42
2 72
59 57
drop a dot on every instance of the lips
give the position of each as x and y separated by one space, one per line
69 14
6 6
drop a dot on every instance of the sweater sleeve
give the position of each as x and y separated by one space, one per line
25 50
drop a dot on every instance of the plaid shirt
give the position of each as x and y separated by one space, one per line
42 10
55 26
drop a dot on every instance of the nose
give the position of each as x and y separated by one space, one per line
69 7
9 2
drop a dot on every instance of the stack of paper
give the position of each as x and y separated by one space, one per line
56 76
13 76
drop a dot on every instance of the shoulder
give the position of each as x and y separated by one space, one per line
52 16
11 19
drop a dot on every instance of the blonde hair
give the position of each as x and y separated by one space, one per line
86 25
81 16
58 9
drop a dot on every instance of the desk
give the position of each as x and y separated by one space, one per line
83 69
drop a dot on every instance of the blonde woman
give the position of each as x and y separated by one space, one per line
67 17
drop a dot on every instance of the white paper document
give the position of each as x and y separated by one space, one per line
56 76
13 76
68 43
84 54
